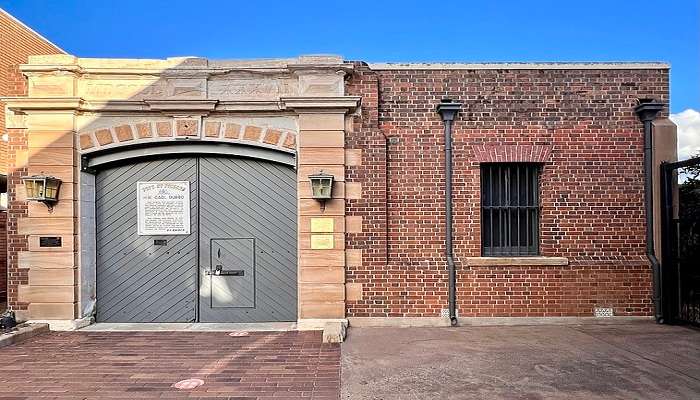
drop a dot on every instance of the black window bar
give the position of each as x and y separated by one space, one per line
510 210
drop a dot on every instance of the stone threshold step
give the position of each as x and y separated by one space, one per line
190 327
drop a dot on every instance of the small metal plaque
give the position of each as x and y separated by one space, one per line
321 225
160 242
50 241
321 242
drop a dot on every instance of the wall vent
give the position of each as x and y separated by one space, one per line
603 312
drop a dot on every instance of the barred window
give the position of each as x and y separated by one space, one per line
510 212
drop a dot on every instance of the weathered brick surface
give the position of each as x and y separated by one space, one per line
16 209
591 189
17 44
3 144
92 365
3 256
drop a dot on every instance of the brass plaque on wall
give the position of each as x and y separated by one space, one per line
319 224
321 242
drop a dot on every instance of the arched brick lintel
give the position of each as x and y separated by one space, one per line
169 130
489 153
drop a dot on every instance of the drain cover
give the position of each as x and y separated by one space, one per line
239 333
188 384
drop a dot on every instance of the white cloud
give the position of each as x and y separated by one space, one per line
688 123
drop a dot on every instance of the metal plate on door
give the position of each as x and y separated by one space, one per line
232 272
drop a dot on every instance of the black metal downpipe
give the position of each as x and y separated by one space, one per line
647 110
448 110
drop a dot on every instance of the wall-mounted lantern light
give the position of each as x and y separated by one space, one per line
42 188
321 186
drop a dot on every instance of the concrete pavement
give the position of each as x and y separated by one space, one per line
632 361
639 360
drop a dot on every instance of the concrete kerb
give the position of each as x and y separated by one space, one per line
22 332
417 322
334 330
64 324
520 321
190 327
398 322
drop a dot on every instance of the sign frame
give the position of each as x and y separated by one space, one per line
185 226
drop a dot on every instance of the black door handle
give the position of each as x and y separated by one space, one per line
220 271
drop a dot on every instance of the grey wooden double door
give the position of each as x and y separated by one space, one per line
238 264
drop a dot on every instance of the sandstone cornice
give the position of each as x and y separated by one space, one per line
166 72
343 68
184 72
191 67
249 106
167 107
321 104
22 104
189 107
115 106
29 69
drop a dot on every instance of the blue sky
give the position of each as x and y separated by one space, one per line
591 30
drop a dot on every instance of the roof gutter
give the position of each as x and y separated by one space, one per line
448 110
647 110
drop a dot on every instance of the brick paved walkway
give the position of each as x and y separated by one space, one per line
137 365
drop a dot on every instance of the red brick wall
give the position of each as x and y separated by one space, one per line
591 190
3 144
17 44
15 210
3 260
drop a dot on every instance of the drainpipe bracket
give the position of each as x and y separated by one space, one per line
448 109
647 111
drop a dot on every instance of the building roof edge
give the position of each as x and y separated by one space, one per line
520 65
25 26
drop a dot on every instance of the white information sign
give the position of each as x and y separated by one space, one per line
163 207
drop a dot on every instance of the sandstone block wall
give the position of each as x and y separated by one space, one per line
17 42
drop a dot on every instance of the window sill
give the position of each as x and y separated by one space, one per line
533 261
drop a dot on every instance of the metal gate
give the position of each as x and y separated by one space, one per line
237 264
681 242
